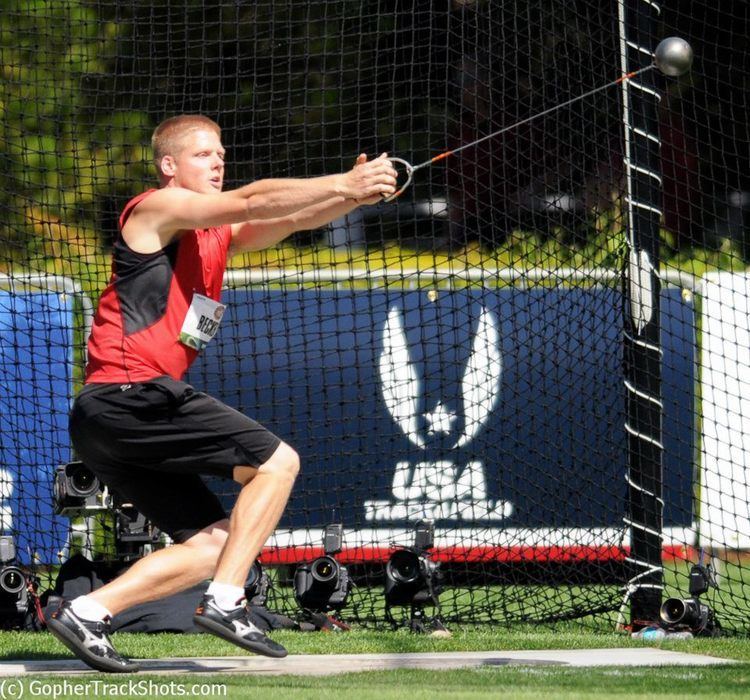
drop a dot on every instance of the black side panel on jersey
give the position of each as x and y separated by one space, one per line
142 281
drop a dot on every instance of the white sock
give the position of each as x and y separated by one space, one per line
88 609
226 596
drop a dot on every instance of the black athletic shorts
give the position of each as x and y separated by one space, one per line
149 442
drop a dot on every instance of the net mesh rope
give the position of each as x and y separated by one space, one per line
455 356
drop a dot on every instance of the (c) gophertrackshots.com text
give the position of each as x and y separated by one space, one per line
17 688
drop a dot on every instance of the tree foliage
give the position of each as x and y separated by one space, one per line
60 157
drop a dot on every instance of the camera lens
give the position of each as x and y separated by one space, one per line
12 579
675 611
403 566
324 569
83 481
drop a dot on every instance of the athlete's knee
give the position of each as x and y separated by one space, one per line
283 463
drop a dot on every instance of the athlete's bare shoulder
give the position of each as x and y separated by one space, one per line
155 220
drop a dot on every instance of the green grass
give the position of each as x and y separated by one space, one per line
30 645
540 681
532 682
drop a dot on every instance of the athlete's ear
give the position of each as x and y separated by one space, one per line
168 166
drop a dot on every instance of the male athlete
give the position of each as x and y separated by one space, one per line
148 435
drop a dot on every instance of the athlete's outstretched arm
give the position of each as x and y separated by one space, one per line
259 234
172 209
265 233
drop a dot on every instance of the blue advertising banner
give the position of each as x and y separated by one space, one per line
36 361
496 409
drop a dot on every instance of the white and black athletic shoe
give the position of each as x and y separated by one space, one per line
235 627
88 640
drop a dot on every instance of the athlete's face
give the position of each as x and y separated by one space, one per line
199 162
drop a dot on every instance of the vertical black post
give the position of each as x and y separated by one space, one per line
642 347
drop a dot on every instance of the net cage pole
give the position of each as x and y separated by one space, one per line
642 352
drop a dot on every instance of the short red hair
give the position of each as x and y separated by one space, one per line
167 136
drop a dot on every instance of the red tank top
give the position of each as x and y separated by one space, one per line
135 334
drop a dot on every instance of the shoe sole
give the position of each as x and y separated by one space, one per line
219 630
70 640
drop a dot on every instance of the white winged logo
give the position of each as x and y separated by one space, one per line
481 381
401 385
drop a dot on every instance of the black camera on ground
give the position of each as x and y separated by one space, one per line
411 577
414 580
324 584
14 596
257 585
76 490
690 614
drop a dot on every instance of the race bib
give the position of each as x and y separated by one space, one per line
201 322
